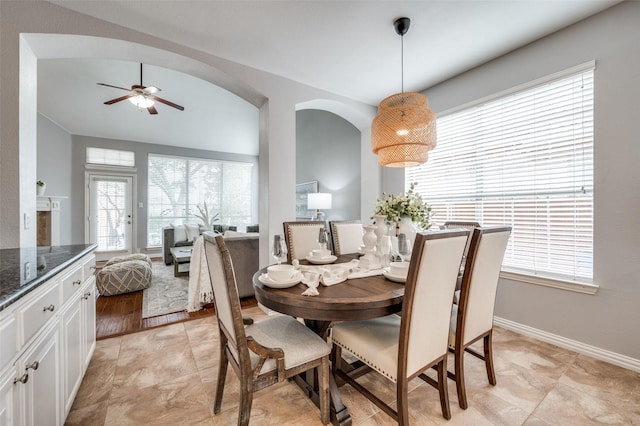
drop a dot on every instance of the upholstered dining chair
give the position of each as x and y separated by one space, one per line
263 353
346 236
302 237
470 225
403 347
472 317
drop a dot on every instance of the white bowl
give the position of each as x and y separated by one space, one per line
320 253
281 272
399 269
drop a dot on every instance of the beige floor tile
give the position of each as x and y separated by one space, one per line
178 402
167 375
140 368
93 415
599 379
567 406
155 339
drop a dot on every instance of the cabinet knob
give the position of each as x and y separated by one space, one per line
49 308
34 365
86 295
92 267
76 282
22 379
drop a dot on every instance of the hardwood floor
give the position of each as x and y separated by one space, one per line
122 314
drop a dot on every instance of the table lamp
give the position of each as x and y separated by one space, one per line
319 201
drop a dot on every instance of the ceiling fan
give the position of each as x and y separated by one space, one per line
141 96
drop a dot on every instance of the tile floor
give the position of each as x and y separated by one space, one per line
166 376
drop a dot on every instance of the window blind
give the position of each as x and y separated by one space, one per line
525 160
110 157
179 187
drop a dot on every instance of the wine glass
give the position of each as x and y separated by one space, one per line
385 250
404 247
279 249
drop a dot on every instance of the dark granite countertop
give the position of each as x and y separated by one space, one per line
24 269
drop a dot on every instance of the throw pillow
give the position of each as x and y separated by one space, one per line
179 233
193 231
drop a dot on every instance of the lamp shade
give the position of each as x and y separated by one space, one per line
319 200
404 131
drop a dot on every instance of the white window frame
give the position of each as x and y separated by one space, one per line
578 284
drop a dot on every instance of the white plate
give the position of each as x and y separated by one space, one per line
321 260
396 278
264 279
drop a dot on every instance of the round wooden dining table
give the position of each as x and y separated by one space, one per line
353 299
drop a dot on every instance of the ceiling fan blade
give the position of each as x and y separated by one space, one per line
121 98
152 110
115 87
166 102
152 89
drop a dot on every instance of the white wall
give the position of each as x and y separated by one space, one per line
609 319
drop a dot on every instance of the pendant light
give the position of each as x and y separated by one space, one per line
404 131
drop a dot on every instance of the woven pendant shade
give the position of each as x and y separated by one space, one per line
404 131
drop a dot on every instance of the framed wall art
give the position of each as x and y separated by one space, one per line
302 189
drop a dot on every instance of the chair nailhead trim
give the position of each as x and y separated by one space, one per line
366 361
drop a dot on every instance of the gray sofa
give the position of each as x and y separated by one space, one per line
168 240
243 248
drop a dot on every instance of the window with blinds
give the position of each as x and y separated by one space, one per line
179 187
110 157
524 159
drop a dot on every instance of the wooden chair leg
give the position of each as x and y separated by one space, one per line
323 376
443 388
459 372
246 399
488 357
222 375
402 397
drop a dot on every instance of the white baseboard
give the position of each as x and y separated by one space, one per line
582 348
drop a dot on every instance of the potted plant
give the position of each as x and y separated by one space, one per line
410 205
207 221
40 187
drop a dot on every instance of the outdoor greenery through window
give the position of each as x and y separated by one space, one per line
523 159
178 186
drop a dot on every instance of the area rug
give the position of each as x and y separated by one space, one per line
166 294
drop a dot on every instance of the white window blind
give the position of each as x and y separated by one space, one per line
110 157
525 160
179 186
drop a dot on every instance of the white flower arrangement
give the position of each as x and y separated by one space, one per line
394 207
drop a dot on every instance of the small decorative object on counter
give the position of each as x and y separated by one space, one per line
40 187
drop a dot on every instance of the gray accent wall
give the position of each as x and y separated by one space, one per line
54 168
609 319
328 150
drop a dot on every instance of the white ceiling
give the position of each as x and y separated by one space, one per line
345 47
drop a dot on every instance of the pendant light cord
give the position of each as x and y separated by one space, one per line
402 63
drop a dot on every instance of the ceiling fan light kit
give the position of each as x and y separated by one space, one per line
404 131
141 96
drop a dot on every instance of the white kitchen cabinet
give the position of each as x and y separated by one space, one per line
48 338
7 398
38 399
78 333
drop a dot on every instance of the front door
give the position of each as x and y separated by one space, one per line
110 215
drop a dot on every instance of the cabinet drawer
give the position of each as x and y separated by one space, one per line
8 333
89 267
35 314
71 283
